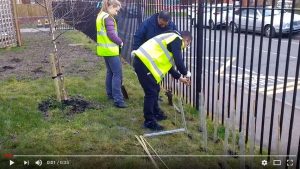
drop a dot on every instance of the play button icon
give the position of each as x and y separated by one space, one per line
11 162
26 162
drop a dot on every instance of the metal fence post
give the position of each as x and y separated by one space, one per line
199 49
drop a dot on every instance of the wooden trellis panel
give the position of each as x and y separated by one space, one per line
7 24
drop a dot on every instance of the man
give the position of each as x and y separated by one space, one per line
152 61
155 25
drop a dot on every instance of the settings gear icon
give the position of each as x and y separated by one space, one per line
264 162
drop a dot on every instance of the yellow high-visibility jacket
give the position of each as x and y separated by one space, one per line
105 47
155 55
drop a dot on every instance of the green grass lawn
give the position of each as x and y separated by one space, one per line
108 131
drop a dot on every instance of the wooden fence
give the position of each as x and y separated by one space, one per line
31 13
30 10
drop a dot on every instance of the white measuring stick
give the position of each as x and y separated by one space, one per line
165 132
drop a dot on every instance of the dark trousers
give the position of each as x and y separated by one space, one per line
151 89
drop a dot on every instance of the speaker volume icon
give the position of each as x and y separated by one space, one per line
39 162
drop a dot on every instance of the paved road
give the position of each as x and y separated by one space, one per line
216 46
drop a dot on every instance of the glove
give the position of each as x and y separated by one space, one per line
189 74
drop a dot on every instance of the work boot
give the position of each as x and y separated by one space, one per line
152 125
120 105
160 115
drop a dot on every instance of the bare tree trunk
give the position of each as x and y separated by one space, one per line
49 11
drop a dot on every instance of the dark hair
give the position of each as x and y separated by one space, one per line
164 15
186 34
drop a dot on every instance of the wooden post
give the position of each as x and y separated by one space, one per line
201 109
203 113
251 138
183 115
233 131
227 128
216 122
19 42
54 77
204 128
242 150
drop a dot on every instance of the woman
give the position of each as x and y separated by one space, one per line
108 44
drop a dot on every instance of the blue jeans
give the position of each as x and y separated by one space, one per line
114 79
151 90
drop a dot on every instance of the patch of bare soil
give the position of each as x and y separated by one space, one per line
70 107
32 61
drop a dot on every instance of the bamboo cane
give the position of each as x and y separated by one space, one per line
143 144
145 141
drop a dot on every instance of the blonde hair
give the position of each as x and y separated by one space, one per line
107 3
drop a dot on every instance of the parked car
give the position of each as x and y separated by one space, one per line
212 13
267 29
132 9
287 4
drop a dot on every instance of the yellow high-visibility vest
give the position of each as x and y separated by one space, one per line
155 55
105 47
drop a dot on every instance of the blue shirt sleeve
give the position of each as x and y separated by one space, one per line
139 36
173 26
175 48
174 73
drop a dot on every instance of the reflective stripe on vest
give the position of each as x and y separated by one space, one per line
105 47
155 55
101 33
159 41
144 52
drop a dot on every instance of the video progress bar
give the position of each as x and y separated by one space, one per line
163 155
